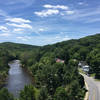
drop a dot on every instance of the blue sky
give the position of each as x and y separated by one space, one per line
41 22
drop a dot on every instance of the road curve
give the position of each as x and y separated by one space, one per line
94 88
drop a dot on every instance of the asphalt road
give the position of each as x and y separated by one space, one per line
94 88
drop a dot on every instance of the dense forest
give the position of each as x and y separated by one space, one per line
53 80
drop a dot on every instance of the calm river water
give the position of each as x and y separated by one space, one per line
17 78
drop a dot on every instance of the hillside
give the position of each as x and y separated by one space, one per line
79 49
17 46
55 79
86 41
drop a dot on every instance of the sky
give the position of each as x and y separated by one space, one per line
42 22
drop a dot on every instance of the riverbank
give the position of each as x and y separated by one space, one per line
4 69
3 77
29 72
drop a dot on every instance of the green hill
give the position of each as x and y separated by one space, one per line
17 46
55 79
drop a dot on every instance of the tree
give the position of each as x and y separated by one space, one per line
28 93
5 95
94 61
43 95
60 94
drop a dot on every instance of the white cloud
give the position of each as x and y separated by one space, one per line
20 25
3 13
23 38
61 37
70 12
82 4
3 29
5 34
41 29
54 10
51 39
45 13
18 30
93 20
65 38
84 15
56 6
18 20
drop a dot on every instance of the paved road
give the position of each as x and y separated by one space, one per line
94 88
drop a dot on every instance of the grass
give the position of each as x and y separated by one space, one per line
81 71
97 80
92 75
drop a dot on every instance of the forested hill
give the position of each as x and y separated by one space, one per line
92 40
54 80
80 49
86 41
83 49
17 46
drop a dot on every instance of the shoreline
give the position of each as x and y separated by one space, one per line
29 72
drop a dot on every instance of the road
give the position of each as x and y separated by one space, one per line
94 88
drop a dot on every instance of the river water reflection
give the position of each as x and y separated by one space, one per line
17 78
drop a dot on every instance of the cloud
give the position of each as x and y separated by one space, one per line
89 15
20 25
61 37
65 38
3 13
5 34
70 12
80 3
21 38
45 13
3 29
54 10
51 39
18 20
55 39
24 38
43 39
56 7
41 29
18 30
93 20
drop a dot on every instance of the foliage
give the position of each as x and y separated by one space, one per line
28 93
60 94
54 81
5 95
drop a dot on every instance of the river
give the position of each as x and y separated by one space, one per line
17 78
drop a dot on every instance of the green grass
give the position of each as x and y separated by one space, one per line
92 75
97 80
81 71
